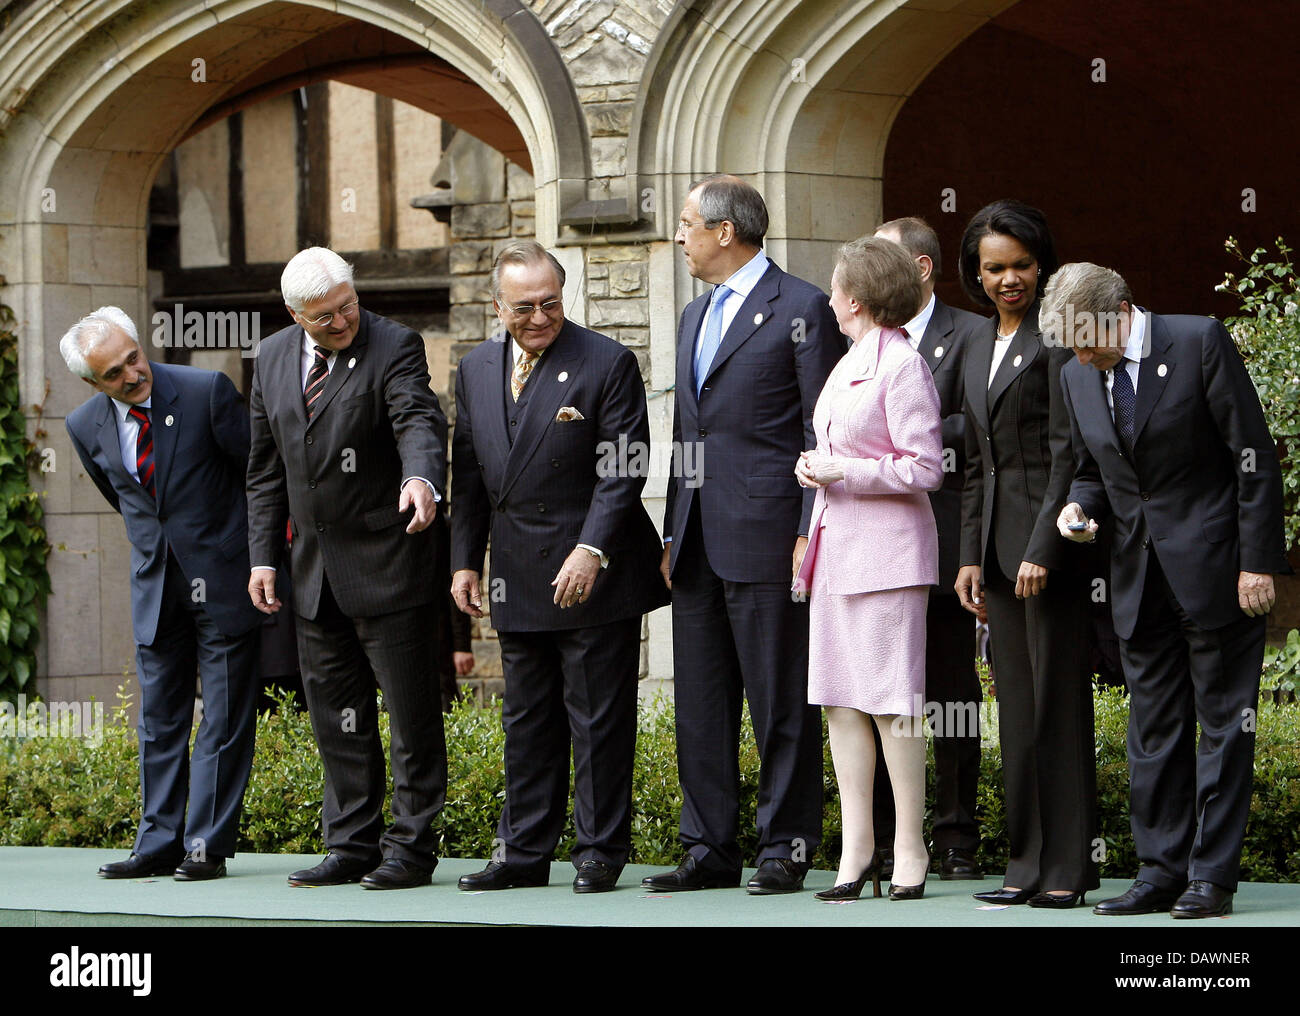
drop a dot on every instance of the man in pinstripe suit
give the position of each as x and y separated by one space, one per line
543 414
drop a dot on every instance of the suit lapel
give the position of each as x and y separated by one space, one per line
978 360
756 309
1153 374
1024 348
544 401
110 447
163 408
936 337
345 362
489 390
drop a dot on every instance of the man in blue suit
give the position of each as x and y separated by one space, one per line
167 447
752 357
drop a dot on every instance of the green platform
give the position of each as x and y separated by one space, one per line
58 887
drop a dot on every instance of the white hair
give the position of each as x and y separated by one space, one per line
312 273
89 332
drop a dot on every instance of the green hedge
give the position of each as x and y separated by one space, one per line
84 792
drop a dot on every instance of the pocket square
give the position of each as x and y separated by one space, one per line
568 413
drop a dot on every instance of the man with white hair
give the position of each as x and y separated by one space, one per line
349 447
167 447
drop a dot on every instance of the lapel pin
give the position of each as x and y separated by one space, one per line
938 351
352 363
170 420
1017 361
758 319
1162 370
564 376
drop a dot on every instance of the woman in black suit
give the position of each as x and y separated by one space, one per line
1017 571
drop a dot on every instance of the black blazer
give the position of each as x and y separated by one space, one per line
944 345
1202 486
558 484
1018 461
749 424
200 431
339 477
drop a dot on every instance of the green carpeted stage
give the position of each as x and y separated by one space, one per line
58 887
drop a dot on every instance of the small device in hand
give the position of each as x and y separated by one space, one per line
1076 527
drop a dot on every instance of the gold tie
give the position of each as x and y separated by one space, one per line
519 377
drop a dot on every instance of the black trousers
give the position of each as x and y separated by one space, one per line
576 688
750 639
1189 802
343 660
1045 724
953 687
214 779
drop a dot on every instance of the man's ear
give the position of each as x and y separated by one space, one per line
926 266
91 381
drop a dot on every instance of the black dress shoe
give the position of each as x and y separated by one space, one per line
853 890
397 874
690 875
193 870
334 870
1005 897
1203 899
959 864
504 875
1140 898
775 876
596 877
1056 901
141 866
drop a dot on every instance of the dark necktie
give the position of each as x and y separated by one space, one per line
320 370
144 450
1125 400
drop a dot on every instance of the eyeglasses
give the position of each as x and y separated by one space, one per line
684 226
325 320
526 310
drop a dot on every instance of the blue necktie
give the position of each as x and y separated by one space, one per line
1125 400
712 337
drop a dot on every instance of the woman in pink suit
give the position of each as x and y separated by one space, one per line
872 556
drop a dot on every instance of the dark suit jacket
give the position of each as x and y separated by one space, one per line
943 346
559 484
749 424
199 461
1202 486
1018 462
339 477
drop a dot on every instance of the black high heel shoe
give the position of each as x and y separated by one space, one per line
852 890
1054 902
910 892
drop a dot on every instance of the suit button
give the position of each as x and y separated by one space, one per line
513 422
310 439
541 507
1146 543
501 507
1146 496
992 471
320 527
543 552
704 433
311 484
555 463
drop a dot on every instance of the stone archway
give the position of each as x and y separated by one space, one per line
91 105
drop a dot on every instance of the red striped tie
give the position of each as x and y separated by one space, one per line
144 450
320 370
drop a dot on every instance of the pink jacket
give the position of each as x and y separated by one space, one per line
879 415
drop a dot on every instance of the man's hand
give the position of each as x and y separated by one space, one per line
1030 580
575 578
800 549
1255 593
817 470
464 590
1073 512
970 591
416 492
261 590
464 663
665 566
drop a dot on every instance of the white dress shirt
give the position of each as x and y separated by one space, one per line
1000 347
741 284
916 327
1132 362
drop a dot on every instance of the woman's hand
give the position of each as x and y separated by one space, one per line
815 469
1030 580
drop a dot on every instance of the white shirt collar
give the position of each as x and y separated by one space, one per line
1137 335
123 408
746 277
917 326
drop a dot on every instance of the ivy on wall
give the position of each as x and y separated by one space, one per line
24 579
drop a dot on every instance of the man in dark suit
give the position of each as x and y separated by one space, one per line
941 334
550 425
752 356
1171 446
349 443
167 447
